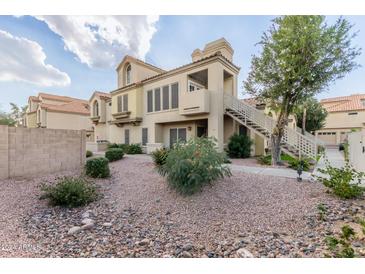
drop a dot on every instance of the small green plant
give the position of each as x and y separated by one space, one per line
344 182
322 211
134 149
304 162
239 146
70 192
264 160
190 166
159 156
89 153
113 145
362 223
97 167
341 247
114 154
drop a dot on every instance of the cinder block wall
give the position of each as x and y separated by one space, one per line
29 152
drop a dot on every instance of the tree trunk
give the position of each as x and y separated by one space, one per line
304 119
276 137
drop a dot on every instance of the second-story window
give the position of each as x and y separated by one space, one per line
96 109
157 99
128 72
122 103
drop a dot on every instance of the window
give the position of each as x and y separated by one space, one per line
96 109
175 95
144 136
157 99
122 103
192 86
125 102
177 134
165 98
128 74
119 103
352 113
149 101
126 136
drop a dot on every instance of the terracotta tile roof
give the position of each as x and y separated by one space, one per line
103 94
58 97
252 101
129 58
77 106
344 103
217 54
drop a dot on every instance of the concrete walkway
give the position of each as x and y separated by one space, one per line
334 157
270 171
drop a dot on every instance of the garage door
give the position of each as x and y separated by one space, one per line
328 137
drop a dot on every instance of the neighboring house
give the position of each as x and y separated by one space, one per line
58 112
155 107
345 114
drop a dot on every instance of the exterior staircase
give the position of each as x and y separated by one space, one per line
293 141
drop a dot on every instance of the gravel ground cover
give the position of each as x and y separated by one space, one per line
139 216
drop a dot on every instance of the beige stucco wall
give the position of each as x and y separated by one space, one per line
341 124
31 119
27 152
60 120
138 73
356 142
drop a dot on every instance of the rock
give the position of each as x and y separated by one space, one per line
107 224
87 221
85 215
74 230
88 226
187 247
186 254
243 253
144 242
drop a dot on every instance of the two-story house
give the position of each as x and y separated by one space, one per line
155 107
58 112
345 113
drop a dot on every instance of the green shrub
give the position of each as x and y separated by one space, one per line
239 146
264 160
125 147
342 247
89 153
159 156
97 167
134 149
114 154
286 157
344 182
70 192
192 165
113 145
294 163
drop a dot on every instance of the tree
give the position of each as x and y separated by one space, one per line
301 56
5 119
311 116
17 113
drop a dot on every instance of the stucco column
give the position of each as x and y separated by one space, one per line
215 119
4 152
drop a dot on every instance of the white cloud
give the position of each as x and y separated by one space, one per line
24 60
102 41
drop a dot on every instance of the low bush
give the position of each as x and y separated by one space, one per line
70 192
192 165
295 163
89 153
239 146
114 154
264 160
97 167
134 149
113 145
125 147
159 156
342 247
344 182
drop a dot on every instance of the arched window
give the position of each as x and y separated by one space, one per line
96 109
128 71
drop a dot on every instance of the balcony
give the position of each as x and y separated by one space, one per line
194 102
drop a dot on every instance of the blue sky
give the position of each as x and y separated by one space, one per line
79 66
